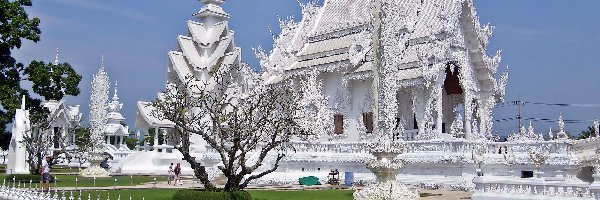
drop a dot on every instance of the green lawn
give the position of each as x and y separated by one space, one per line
69 180
166 194
64 170
154 194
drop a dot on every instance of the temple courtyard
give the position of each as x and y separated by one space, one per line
350 99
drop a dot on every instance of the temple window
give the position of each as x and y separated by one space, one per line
368 121
338 120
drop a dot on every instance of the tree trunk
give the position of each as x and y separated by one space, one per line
199 170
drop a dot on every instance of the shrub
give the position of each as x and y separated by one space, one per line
211 195
26 177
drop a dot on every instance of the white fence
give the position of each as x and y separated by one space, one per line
511 188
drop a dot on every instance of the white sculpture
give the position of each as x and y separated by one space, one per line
561 135
510 160
385 169
538 156
17 154
98 111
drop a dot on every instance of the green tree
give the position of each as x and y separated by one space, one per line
150 137
82 136
130 142
49 80
587 133
15 25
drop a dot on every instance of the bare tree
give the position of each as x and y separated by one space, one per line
238 116
42 138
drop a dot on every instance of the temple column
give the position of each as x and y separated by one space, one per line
439 110
485 113
420 103
468 105
156 139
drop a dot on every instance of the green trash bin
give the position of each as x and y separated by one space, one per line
309 180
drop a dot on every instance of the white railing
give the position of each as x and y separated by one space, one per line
18 191
331 147
507 188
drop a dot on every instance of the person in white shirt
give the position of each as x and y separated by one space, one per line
45 172
170 175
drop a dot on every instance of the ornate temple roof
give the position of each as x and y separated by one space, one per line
329 35
338 15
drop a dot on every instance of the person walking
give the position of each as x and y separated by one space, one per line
170 175
45 172
178 174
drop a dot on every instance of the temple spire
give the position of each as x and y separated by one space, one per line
102 62
115 96
56 61
212 12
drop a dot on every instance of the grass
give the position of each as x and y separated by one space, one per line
148 194
69 181
64 170
166 194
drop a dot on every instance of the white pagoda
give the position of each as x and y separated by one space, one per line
208 45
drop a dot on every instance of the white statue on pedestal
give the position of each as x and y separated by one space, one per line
98 110
17 154
561 135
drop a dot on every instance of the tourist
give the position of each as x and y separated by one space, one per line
178 174
170 175
45 173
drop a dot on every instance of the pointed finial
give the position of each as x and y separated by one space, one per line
102 61
56 61
23 103
115 96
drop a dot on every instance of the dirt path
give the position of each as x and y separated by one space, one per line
446 194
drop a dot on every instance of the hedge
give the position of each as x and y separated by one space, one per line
211 195
26 177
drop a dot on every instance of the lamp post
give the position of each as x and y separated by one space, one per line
94 181
76 183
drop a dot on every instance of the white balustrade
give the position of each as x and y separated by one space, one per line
502 188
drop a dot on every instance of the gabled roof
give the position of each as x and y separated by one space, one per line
146 119
340 22
342 14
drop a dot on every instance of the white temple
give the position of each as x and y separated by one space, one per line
17 154
115 132
417 70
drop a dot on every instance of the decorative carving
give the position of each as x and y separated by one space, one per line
98 111
538 155
561 135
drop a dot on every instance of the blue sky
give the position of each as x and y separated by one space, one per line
551 47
